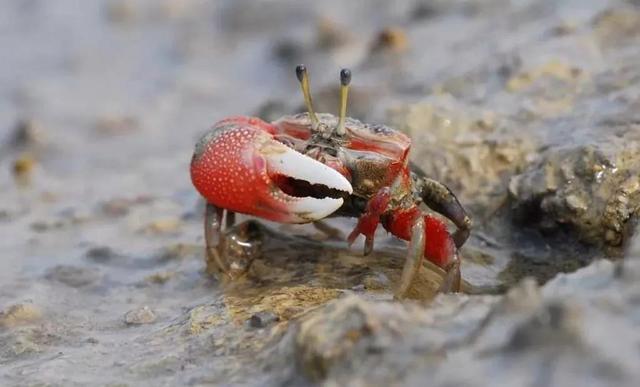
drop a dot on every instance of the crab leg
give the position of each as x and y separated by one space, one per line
413 260
327 229
369 221
437 245
230 220
212 235
452 281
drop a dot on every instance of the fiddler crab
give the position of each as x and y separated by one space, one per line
307 167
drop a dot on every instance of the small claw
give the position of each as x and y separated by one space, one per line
239 166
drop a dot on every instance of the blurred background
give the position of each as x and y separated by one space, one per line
528 110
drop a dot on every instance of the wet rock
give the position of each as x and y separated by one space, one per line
116 125
592 193
176 252
470 150
73 276
330 34
555 324
616 25
121 206
139 316
168 226
288 51
376 343
391 39
28 133
424 11
202 318
356 341
159 278
120 12
285 302
19 314
23 167
538 79
344 332
376 281
17 345
633 248
103 255
262 319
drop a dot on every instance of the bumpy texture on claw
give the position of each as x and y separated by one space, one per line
238 166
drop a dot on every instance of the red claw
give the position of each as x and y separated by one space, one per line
239 166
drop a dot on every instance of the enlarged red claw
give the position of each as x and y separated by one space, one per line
239 166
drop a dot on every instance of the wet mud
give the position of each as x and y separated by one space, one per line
529 111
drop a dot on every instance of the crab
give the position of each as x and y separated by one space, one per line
306 167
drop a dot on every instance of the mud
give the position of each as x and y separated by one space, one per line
527 110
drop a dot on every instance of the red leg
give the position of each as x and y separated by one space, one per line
414 258
439 246
368 222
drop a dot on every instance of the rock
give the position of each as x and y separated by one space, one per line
262 319
74 276
514 337
467 149
103 255
116 125
591 192
168 226
393 39
28 134
23 167
19 314
117 207
139 316
202 318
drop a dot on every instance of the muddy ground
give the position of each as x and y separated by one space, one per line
528 110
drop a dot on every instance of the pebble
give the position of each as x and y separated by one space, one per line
23 166
163 226
262 319
73 276
143 315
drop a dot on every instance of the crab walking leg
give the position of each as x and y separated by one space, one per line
230 219
328 230
368 222
414 258
212 235
440 199
452 281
